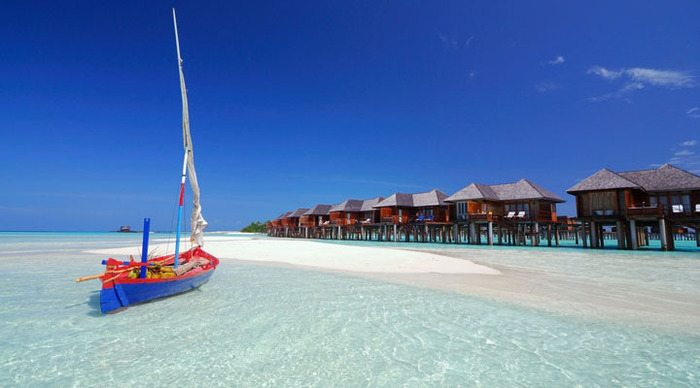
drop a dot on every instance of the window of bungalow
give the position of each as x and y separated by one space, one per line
428 212
663 200
461 210
653 201
685 201
676 206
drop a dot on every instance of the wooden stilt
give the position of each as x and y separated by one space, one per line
663 234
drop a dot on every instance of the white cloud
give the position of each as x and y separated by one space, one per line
557 61
546 86
684 153
604 73
685 158
694 112
637 78
668 78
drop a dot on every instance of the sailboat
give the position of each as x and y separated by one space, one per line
125 283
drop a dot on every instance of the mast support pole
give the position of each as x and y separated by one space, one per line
144 247
179 211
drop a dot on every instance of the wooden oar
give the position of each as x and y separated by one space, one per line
86 278
112 278
91 277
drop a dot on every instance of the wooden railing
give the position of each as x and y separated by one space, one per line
657 211
488 217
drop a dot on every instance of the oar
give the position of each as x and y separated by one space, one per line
112 278
91 277
86 278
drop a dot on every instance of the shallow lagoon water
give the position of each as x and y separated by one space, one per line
257 325
665 271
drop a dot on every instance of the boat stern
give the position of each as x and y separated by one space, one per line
113 299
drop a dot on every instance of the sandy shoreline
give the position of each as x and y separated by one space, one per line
460 271
329 256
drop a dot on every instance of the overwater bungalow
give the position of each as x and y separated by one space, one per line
313 219
275 227
517 210
405 212
369 214
636 204
346 212
402 208
351 219
291 222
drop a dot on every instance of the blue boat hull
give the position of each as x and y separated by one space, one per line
121 296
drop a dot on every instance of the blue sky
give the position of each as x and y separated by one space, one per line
298 103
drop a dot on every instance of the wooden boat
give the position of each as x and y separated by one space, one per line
125 283
163 279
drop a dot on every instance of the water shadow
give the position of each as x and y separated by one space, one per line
94 303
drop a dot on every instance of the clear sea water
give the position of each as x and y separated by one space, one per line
257 326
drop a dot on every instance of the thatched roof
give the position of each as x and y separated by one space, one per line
431 198
368 204
518 191
298 213
603 180
349 205
318 210
664 178
281 216
396 199
474 191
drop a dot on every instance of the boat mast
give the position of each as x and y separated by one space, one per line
181 200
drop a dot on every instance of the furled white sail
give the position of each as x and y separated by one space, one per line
198 221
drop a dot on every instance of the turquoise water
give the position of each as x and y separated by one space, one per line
265 326
665 271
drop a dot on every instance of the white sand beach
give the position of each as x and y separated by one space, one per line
328 256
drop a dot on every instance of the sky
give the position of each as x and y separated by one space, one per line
298 103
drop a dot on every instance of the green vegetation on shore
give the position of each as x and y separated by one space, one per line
255 227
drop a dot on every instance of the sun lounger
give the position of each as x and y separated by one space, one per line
521 214
510 215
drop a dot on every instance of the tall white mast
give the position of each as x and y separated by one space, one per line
198 221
